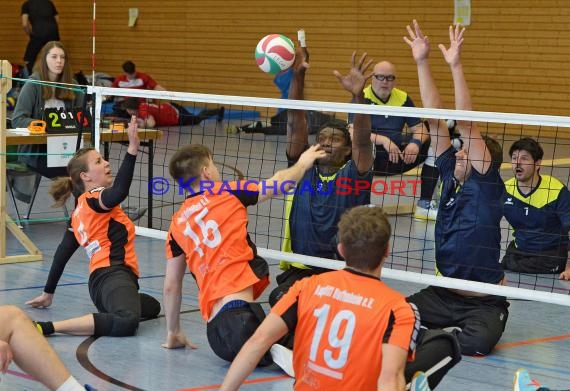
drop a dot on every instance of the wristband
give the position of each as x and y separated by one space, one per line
417 142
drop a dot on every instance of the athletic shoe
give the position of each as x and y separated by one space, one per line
419 382
232 129
426 211
523 382
39 328
283 357
89 388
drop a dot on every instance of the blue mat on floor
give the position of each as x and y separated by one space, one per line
107 108
229 113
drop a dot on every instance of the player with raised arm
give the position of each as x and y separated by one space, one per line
208 235
467 230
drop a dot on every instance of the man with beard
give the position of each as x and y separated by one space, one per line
538 208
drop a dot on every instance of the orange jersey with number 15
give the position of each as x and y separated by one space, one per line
210 229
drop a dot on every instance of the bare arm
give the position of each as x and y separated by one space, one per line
297 127
479 155
354 82
158 87
270 330
428 90
393 363
284 180
26 24
172 297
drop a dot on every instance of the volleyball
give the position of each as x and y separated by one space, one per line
274 53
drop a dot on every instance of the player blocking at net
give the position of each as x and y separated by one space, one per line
208 234
467 230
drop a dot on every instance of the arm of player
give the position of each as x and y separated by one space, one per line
428 90
271 329
26 24
479 155
354 82
114 195
284 180
172 297
393 363
297 127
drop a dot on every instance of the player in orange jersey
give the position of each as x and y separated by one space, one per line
209 235
107 234
351 330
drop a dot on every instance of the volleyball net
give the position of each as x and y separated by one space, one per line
248 141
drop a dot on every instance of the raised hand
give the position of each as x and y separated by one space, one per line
313 153
133 133
356 77
452 54
301 63
418 42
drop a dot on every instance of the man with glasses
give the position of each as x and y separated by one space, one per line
397 150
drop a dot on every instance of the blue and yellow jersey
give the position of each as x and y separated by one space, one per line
389 125
467 231
540 219
313 211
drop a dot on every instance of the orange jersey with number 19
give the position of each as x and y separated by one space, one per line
340 320
210 229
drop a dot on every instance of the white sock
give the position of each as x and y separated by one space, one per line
71 384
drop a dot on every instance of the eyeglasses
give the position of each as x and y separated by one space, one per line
384 77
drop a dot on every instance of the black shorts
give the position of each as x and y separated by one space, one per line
482 320
232 326
553 261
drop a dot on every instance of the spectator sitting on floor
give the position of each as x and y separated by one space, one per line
150 115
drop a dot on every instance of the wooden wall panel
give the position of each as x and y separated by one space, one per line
515 55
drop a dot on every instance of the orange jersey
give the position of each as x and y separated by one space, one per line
107 235
210 228
340 320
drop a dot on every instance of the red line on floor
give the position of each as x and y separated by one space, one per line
528 342
532 341
21 374
252 381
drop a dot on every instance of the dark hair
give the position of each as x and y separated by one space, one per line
131 104
496 151
129 67
530 145
66 76
63 187
187 162
364 232
339 125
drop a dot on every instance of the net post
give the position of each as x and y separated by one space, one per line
34 254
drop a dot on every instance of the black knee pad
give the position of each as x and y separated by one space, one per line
125 324
150 307
436 351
